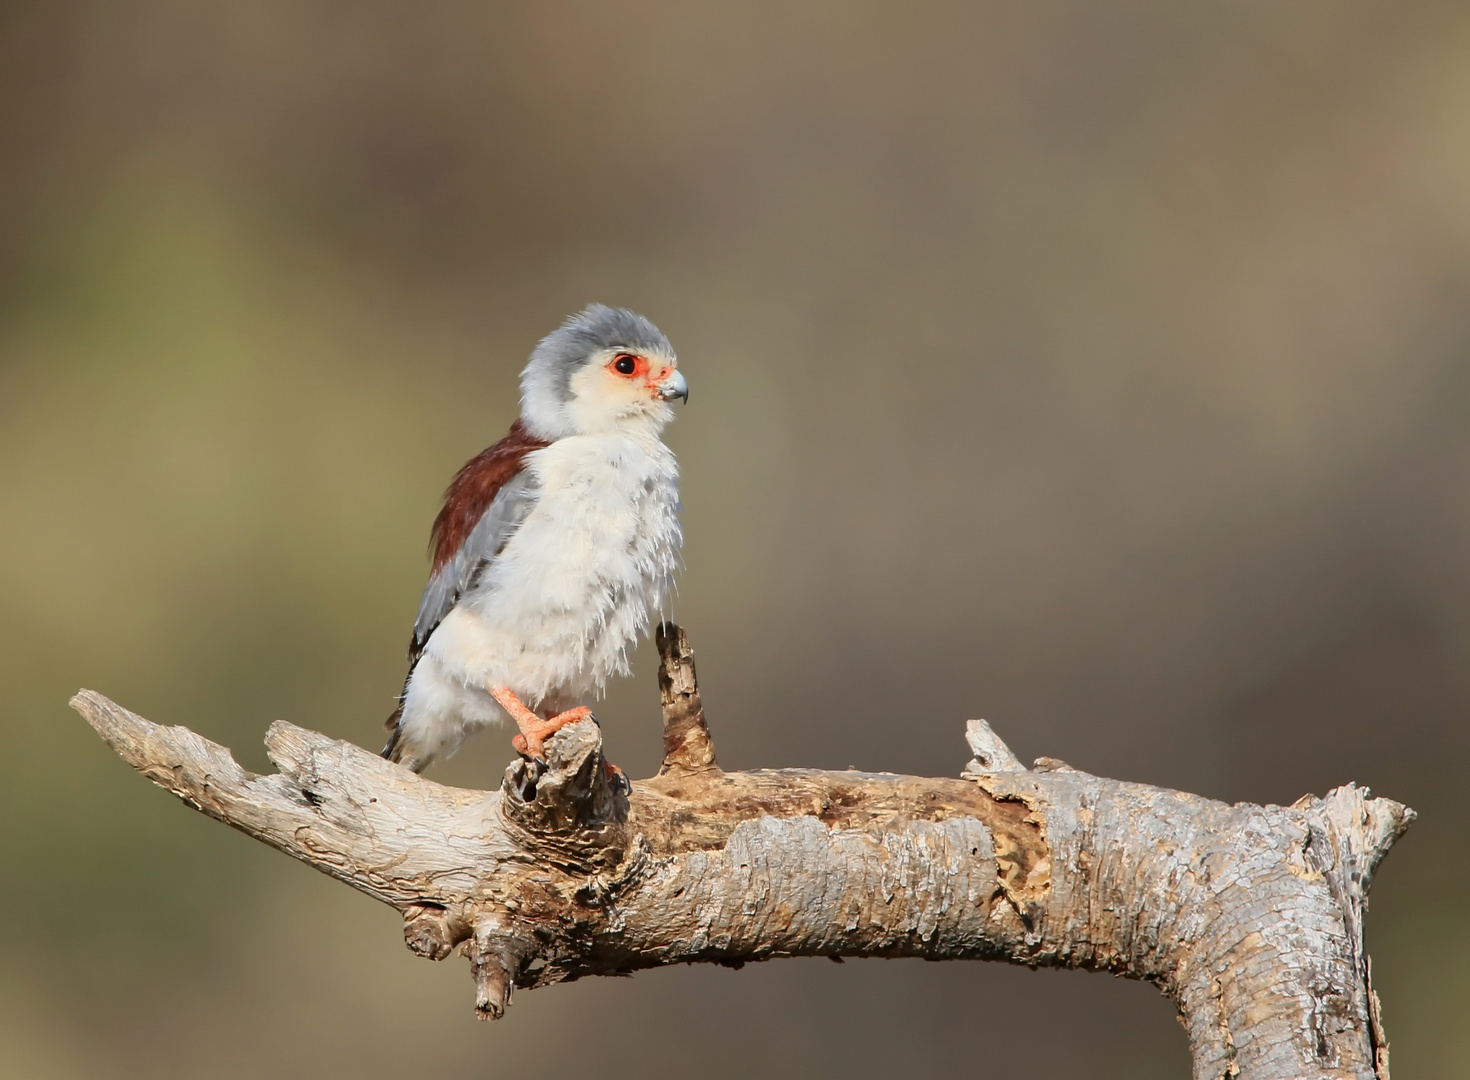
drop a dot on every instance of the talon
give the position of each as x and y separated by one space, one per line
616 778
523 747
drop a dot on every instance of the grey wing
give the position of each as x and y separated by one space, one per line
486 540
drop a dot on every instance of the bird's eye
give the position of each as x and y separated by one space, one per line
625 364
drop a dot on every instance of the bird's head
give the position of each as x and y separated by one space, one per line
604 369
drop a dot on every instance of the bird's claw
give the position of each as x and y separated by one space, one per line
523 747
617 780
542 765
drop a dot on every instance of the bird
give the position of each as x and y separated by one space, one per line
553 550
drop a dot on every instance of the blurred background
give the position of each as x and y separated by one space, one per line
1100 369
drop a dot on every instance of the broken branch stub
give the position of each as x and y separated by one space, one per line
687 745
1248 917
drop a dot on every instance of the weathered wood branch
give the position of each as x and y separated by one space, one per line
1248 917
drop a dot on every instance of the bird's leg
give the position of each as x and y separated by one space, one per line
534 730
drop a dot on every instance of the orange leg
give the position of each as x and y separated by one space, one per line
534 730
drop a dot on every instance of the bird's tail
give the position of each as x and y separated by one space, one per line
394 750
398 748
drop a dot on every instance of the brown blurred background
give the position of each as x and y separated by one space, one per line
1101 369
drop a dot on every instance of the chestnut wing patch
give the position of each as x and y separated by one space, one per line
484 505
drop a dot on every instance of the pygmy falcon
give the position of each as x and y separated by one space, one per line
554 549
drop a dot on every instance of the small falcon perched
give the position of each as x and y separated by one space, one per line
555 548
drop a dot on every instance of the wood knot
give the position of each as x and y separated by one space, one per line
431 931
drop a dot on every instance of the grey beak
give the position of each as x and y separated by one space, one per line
675 386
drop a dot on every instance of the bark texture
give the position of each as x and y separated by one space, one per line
1248 917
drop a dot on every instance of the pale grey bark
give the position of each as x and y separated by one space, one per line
1248 917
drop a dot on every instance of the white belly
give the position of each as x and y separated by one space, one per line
556 614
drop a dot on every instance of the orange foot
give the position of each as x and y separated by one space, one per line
534 730
617 778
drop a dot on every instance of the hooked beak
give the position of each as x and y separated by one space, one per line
675 386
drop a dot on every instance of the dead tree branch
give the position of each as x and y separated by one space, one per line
1249 918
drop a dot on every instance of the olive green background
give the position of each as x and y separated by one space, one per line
1101 369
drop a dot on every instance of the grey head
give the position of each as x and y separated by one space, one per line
563 388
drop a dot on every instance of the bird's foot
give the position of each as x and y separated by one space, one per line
534 731
531 742
532 739
617 779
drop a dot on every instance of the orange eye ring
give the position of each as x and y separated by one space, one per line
628 365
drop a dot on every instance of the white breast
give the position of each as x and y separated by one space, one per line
556 614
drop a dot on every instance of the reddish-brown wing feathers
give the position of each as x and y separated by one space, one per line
469 495
474 488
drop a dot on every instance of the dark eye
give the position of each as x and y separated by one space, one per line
625 365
